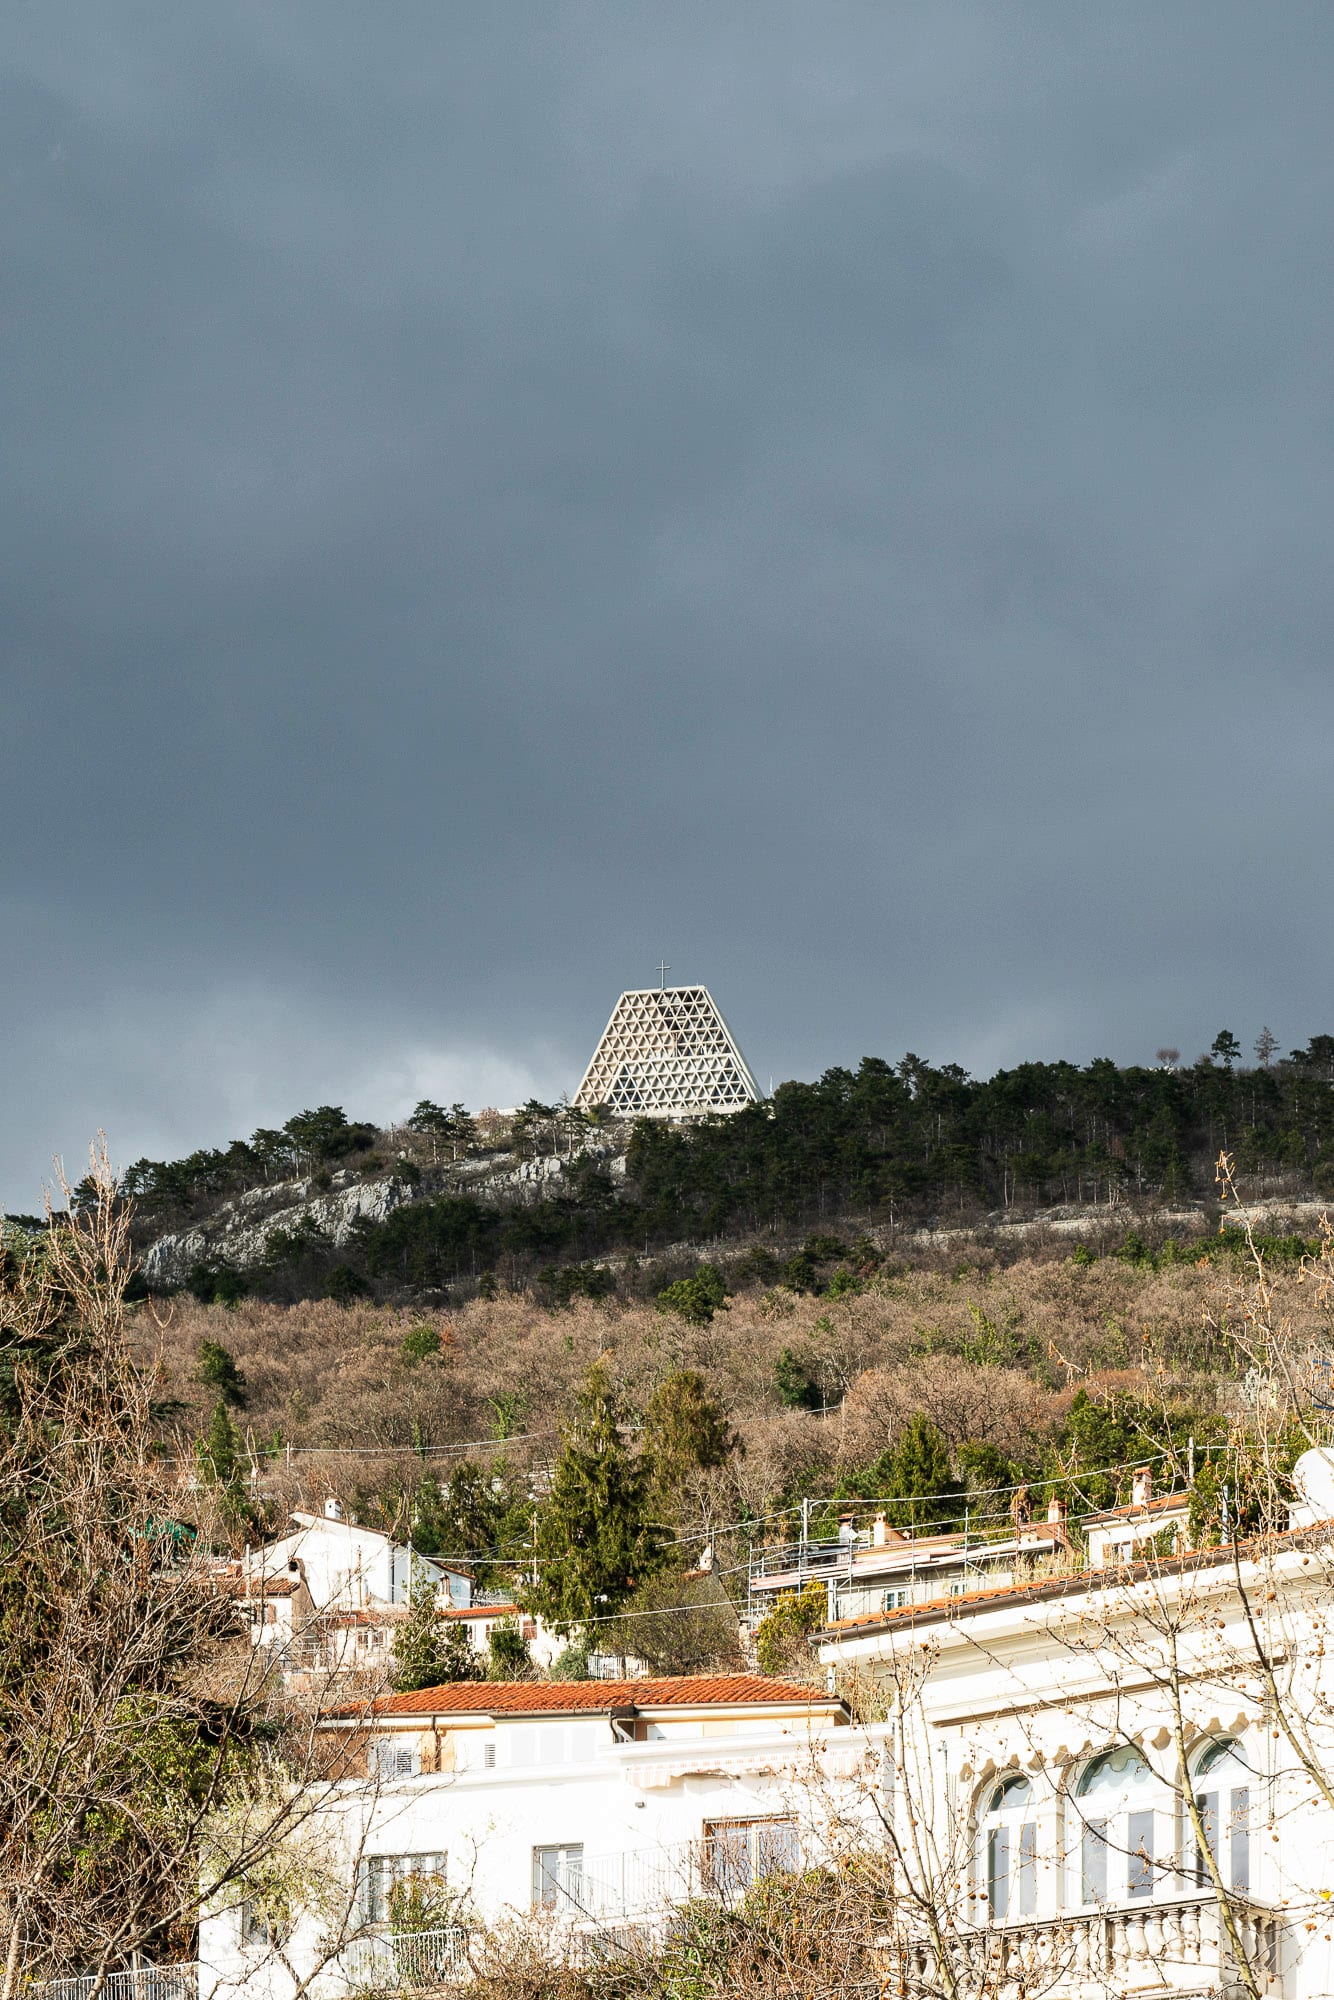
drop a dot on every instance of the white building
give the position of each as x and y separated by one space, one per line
881 1568
667 1052
594 1802
1119 1782
330 1595
1118 1533
346 1567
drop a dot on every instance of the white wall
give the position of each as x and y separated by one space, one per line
557 1782
350 1566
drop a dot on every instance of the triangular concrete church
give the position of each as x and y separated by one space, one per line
667 1053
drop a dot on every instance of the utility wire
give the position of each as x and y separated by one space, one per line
980 1517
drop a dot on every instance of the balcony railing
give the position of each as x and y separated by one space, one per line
645 1882
1173 1947
146 1982
407 1959
800 1559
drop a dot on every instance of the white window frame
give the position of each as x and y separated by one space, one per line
1229 1812
1121 1835
1007 1848
740 1852
558 1877
382 1873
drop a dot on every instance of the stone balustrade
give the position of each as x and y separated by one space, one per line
1181 1947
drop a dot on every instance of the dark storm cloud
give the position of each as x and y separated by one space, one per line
839 496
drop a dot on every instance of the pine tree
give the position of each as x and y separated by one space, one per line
685 1430
922 1474
695 1299
594 1538
218 1370
220 1447
428 1651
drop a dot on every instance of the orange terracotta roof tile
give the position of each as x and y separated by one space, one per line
1113 1575
256 1587
506 1698
1136 1507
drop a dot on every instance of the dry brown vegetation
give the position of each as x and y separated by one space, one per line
993 1355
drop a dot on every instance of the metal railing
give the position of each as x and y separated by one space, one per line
145 1982
644 1882
801 1558
419 1959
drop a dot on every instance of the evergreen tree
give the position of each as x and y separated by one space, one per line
695 1299
921 1473
594 1538
509 1656
686 1430
796 1386
428 1650
218 1370
220 1451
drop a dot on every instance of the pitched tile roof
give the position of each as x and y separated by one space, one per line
252 1588
1112 1576
1164 1500
506 1698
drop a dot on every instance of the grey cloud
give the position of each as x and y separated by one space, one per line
841 499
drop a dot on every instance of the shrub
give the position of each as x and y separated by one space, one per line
782 1637
217 1284
800 1273
572 1663
344 1283
844 1284
562 1285
796 1386
509 1656
419 1343
695 1299
758 1266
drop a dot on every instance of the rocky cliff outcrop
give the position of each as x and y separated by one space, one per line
237 1234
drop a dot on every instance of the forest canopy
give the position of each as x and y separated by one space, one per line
900 1142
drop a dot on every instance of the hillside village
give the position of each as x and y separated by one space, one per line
524 1474
948 1591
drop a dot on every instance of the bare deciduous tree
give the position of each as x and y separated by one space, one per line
136 1723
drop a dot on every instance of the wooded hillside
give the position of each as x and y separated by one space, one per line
535 1199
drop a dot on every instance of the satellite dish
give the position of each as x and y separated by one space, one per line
1313 1477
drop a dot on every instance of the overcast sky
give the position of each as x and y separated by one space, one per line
837 496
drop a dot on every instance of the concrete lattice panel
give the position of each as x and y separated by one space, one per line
667 1053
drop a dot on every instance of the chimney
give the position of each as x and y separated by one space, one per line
706 1558
1056 1513
333 1508
879 1532
1141 1489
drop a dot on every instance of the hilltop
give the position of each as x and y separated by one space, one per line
909 1159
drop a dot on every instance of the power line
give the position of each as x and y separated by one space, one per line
492 1558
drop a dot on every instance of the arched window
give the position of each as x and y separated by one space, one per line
1221 1779
1009 1850
1121 1809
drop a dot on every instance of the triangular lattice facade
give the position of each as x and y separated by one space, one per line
667 1053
